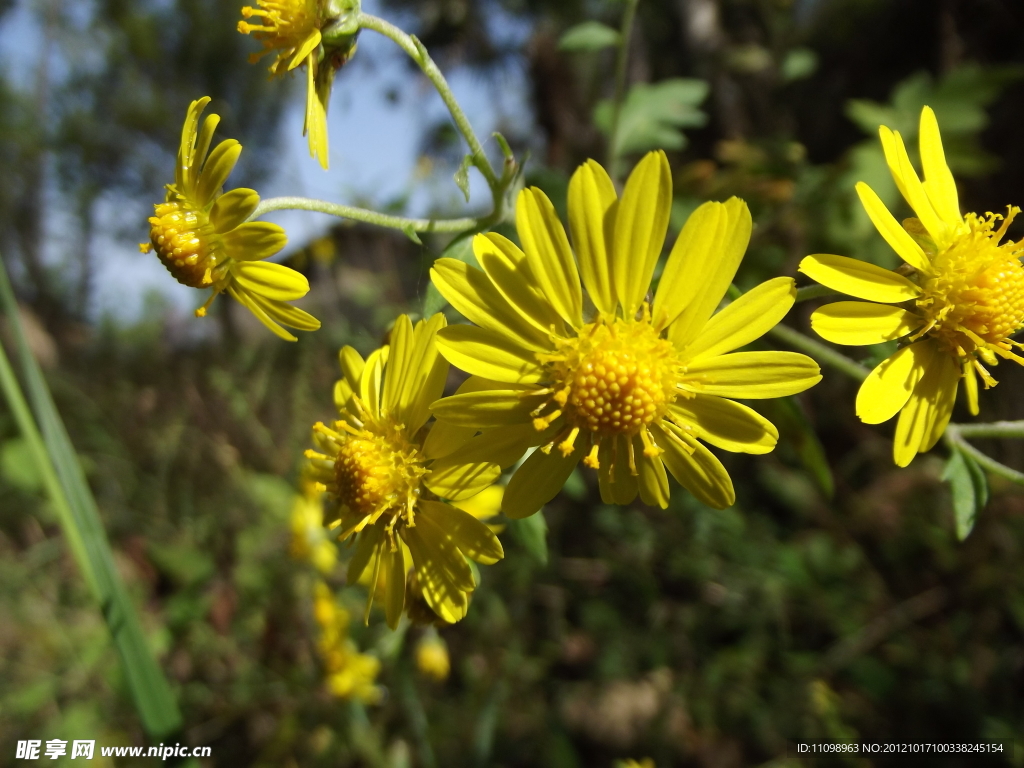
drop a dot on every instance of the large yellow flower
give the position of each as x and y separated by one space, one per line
291 28
631 387
955 303
390 476
201 234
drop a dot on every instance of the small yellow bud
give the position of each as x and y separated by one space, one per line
432 656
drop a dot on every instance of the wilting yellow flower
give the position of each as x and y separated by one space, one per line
201 234
955 304
291 28
388 475
635 386
432 656
350 674
309 537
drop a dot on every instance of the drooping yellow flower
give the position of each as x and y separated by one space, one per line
201 234
350 674
291 29
634 386
390 476
432 656
955 304
309 536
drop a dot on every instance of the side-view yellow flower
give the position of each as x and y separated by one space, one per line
633 387
291 28
201 235
955 304
391 477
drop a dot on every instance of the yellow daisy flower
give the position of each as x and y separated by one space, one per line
390 477
634 386
954 304
201 234
291 28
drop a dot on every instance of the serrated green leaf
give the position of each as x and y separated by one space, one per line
462 175
532 533
653 116
587 37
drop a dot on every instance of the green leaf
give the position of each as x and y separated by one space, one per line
587 37
797 437
462 175
412 234
460 248
798 64
969 487
64 480
532 533
653 116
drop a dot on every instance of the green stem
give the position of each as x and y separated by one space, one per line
621 65
372 217
414 48
823 354
813 292
1012 429
953 435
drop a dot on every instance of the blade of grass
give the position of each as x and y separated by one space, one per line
65 484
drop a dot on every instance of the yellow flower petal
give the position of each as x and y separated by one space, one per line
286 314
651 477
315 126
484 505
538 481
451 477
472 537
548 254
909 183
216 169
394 600
272 281
253 241
187 168
897 237
351 364
371 380
862 322
691 260
366 546
887 388
726 424
744 320
752 375
641 222
246 299
444 438
487 353
700 472
233 208
859 278
473 294
938 179
491 408
615 481
971 388
507 267
307 47
434 558
928 409
503 446
713 273
425 379
592 206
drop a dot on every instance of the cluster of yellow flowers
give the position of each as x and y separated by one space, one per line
570 356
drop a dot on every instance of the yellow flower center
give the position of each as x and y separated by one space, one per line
975 298
286 24
185 242
376 473
615 378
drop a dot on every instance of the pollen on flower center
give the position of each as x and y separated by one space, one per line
375 473
976 296
185 242
615 377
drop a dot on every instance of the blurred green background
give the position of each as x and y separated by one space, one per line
832 602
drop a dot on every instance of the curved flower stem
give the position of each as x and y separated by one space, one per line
1012 429
823 354
414 48
813 292
621 64
954 437
373 217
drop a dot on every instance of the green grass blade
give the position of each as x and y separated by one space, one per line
66 486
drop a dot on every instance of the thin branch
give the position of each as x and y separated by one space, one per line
813 292
373 217
954 436
823 354
1012 429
